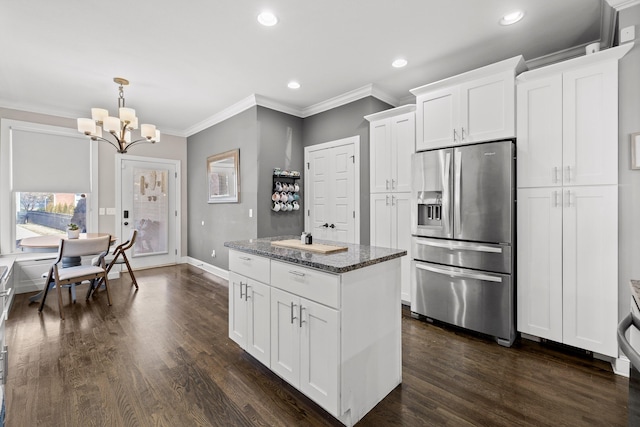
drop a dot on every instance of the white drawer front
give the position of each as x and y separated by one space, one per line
249 265
307 283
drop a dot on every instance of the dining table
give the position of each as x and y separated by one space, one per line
51 243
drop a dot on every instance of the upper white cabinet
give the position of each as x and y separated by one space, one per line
568 125
392 141
472 107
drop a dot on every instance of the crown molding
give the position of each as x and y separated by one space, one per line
263 101
348 97
392 112
622 4
227 113
555 57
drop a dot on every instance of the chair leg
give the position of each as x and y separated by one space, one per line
47 286
133 278
106 285
59 288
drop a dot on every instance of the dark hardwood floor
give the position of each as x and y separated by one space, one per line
161 357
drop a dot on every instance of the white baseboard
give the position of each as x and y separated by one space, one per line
621 366
224 274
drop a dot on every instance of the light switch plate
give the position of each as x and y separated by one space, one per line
628 33
111 211
100 211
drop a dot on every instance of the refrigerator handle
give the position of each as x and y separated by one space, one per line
456 192
459 246
446 192
478 276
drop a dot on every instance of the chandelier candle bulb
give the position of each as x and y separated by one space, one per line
127 114
99 114
133 124
127 137
157 138
148 131
111 124
86 126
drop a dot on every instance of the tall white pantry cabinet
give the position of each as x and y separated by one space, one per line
567 202
392 142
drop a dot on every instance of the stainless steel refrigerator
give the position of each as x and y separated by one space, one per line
463 223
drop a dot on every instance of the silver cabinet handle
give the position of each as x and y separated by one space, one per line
625 345
292 307
386 198
463 133
296 273
568 173
455 136
246 291
393 184
555 175
244 258
4 355
386 186
568 198
478 276
393 200
555 199
300 319
241 290
460 247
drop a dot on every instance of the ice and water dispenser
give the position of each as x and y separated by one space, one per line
429 208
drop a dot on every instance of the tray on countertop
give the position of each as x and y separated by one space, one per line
314 247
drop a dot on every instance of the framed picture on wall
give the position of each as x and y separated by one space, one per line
635 150
223 177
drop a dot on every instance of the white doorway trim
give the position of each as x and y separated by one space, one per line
352 140
178 214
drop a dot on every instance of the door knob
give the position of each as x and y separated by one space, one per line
126 223
332 226
325 225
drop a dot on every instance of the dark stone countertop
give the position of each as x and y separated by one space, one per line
357 256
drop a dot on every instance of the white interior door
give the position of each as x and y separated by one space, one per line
148 194
332 196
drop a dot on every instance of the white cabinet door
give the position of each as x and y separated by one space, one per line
539 139
590 124
258 297
438 113
319 354
590 279
237 309
487 108
539 255
401 224
380 156
381 220
285 336
403 145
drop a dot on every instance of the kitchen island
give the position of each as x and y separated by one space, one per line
328 324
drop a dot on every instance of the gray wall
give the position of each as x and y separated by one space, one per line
629 180
342 122
279 145
222 221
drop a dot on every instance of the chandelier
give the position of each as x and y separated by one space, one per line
119 127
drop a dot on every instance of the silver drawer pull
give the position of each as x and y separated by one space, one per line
451 247
4 357
6 293
244 258
477 276
297 273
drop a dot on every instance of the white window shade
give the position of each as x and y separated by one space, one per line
45 162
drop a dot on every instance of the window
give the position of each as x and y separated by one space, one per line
47 175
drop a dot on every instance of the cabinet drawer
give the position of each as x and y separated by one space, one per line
307 283
249 265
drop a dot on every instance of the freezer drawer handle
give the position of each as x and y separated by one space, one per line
244 258
624 344
484 277
296 273
461 247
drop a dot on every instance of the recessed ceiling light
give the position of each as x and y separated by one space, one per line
512 18
399 63
293 85
267 19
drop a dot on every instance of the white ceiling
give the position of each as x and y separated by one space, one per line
188 61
